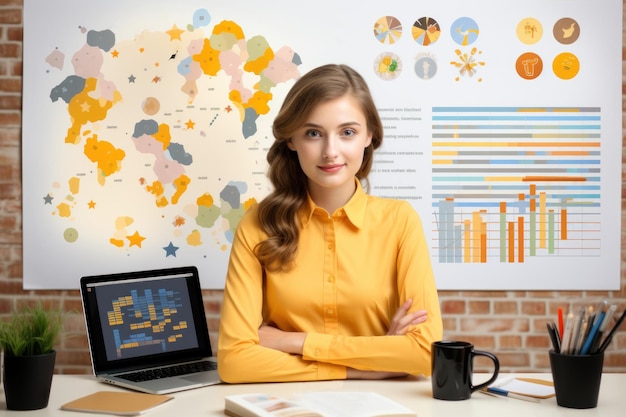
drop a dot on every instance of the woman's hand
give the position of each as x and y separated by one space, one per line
288 342
399 326
403 319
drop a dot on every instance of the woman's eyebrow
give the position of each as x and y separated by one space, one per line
345 124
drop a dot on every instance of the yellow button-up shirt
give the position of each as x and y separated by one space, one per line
353 270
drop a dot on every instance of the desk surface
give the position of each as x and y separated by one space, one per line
412 392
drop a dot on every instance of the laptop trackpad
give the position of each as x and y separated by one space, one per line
200 377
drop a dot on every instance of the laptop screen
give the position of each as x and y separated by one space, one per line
146 318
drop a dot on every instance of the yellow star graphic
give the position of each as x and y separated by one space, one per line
135 239
92 204
175 33
115 53
190 124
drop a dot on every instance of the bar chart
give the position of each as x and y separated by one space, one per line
510 184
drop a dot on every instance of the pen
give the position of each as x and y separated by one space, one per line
592 334
601 331
606 342
560 321
608 317
554 337
504 393
567 333
578 331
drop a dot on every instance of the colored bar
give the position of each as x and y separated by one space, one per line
502 231
467 241
564 224
511 242
520 239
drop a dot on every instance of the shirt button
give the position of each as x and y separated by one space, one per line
330 311
331 279
331 246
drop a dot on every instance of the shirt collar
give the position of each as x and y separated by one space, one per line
354 209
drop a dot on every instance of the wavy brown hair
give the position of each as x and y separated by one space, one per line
278 212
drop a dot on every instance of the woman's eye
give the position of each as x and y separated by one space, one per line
313 133
349 132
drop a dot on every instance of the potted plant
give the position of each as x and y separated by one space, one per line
27 341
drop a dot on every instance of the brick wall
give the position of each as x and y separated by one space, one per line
508 323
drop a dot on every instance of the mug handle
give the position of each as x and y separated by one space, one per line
496 370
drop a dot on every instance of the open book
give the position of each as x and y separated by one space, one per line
316 404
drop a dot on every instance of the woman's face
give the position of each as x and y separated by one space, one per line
330 146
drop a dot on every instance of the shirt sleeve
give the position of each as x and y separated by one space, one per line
240 356
407 353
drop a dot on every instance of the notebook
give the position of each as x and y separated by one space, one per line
144 321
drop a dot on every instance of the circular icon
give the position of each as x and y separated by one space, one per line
425 31
529 65
388 30
566 31
70 235
529 30
388 66
151 106
566 65
425 68
464 31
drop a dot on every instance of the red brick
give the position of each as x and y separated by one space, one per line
513 342
533 308
479 307
12 85
449 324
615 359
15 68
536 341
505 307
490 325
10 15
453 307
10 50
11 118
15 33
510 359
10 102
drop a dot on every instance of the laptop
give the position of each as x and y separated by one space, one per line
147 330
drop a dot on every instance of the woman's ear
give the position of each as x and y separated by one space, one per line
290 145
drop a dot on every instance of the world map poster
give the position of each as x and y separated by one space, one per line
146 126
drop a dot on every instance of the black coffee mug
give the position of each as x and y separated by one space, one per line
452 368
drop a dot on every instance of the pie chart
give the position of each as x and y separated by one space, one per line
388 30
426 31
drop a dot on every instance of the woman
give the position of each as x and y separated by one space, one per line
325 281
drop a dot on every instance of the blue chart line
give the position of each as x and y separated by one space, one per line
510 184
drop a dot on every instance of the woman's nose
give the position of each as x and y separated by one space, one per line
330 148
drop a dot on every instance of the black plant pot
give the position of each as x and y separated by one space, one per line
27 381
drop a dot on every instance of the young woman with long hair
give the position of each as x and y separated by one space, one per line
325 281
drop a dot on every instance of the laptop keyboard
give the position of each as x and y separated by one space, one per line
169 371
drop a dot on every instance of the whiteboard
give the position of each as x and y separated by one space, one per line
146 124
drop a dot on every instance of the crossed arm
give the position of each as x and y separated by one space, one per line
293 342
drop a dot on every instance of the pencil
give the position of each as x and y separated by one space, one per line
606 342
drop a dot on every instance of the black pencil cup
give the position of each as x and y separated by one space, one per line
576 379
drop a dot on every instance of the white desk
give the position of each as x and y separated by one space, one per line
412 392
